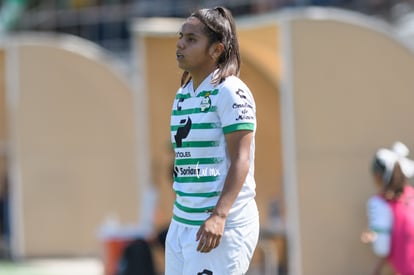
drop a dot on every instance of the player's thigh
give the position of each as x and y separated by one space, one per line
231 257
173 255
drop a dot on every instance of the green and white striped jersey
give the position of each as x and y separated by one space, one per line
199 121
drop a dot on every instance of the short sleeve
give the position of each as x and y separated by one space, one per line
236 106
380 221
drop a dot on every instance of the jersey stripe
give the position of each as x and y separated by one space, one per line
380 230
182 96
201 94
194 210
200 195
190 222
192 111
237 127
198 126
196 179
208 93
198 161
198 144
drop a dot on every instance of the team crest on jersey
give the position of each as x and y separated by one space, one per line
205 103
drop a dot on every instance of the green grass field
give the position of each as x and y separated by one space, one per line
9 268
52 267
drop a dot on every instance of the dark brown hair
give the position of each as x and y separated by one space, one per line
219 26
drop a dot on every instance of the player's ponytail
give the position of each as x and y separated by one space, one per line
229 62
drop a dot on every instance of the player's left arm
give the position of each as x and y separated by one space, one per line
238 144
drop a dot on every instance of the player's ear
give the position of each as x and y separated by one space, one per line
216 50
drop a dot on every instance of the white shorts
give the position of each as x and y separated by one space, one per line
231 257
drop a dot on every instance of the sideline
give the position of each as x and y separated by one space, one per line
73 266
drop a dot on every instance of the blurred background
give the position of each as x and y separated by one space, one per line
85 159
107 23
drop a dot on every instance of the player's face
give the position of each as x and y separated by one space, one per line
193 49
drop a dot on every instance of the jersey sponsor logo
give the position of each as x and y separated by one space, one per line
175 172
207 172
245 107
240 93
189 171
183 154
183 131
205 272
181 100
196 171
244 115
239 106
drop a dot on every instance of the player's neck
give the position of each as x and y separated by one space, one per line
200 76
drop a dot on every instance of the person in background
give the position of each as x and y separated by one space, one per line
215 224
391 211
5 219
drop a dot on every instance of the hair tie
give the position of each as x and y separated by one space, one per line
389 158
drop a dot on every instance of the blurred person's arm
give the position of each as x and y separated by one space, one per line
380 222
379 234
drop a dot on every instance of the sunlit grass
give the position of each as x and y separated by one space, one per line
52 267
10 268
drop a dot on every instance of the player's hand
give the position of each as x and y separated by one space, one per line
368 236
210 233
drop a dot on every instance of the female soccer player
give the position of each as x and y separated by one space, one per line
215 224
